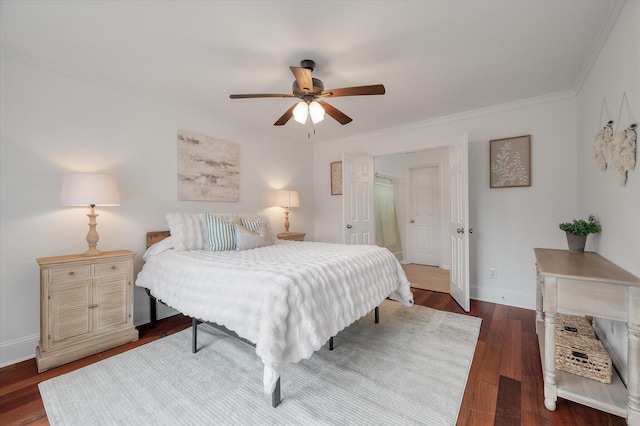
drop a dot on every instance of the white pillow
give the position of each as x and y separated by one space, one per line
247 239
188 230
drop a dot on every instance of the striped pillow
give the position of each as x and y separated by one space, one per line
220 233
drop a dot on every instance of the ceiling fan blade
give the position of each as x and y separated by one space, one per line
303 77
285 117
335 113
262 95
375 89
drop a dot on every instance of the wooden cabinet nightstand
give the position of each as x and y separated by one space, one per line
292 236
86 306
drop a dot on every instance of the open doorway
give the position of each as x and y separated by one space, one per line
420 184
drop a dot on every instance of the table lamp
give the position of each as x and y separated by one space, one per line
88 189
286 199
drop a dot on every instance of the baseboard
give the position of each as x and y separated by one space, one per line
503 297
18 350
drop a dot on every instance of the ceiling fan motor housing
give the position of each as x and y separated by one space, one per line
318 86
308 64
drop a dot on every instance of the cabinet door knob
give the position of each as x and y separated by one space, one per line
113 266
71 273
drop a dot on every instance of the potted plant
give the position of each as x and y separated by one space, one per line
578 230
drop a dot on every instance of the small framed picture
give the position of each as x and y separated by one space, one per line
336 178
510 162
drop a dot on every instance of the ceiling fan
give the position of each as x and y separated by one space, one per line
309 89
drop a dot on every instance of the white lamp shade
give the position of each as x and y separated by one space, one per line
84 189
316 112
287 199
300 112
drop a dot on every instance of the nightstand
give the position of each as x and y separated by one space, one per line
291 236
86 306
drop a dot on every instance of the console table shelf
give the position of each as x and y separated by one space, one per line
587 284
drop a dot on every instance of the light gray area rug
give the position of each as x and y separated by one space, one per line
411 368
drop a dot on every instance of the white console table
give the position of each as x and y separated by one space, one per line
587 284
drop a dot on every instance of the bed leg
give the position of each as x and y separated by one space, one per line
330 343
377 314
194 335
152 310
275 395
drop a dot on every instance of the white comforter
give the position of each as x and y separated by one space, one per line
288 298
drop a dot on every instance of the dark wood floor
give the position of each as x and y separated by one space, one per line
505 384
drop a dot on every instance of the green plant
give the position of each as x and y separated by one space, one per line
582 227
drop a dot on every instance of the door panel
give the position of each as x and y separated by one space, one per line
110 301
424 212
69 313
358 214
459 225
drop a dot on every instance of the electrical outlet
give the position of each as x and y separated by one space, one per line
493 273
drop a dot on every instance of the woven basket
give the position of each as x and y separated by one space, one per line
574 325
583 356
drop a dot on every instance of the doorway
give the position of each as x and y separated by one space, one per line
399 167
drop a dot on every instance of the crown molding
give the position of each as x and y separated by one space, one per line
610 21
461 116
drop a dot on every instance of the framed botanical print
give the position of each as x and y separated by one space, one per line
510 162
336 178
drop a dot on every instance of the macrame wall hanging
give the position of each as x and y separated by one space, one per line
616 150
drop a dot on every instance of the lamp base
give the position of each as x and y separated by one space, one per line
92 252
92 235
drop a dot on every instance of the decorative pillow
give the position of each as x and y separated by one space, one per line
256 223
220 232
247 239
187 230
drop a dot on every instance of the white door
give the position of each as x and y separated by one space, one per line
424 216
459 227
359 222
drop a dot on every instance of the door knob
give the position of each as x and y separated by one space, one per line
412 221
460 230
471 230
349 226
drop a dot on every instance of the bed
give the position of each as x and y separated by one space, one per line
287 298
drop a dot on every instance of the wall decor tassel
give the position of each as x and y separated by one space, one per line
622 149
624 153
601 150
601 146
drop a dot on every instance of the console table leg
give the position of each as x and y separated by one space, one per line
550 388
633 354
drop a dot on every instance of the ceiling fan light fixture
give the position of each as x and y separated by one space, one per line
316 112
301 112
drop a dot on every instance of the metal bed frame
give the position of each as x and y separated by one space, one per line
276 397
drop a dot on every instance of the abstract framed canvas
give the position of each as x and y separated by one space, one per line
336 178
208 168
510 162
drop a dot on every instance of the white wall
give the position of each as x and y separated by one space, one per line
398 166
508 222
616 71
53 123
